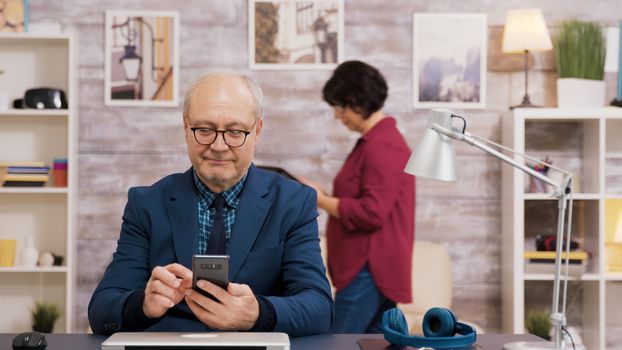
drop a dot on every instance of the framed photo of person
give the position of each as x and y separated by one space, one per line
293 34
142 58
449 60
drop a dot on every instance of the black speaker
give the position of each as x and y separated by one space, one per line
44 98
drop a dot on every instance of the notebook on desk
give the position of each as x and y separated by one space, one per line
193 341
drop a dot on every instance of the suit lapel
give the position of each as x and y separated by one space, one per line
182 212
252 211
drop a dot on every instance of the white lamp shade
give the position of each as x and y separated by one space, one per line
435 156
525 30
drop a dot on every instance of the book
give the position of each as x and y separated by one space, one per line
23 184
22 163
575 255
28 170
26 177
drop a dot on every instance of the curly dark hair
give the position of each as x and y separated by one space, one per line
356 85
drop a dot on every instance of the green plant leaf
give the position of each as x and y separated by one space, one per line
580 50
45 314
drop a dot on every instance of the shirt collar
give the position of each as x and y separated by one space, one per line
231 194
383 124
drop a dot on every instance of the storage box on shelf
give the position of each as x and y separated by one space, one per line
45 214
587 143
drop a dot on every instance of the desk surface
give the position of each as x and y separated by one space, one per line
324 341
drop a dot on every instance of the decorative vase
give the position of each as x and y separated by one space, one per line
580 93
30 254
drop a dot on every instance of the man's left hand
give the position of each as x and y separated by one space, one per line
238 308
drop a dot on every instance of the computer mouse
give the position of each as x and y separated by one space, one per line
29 341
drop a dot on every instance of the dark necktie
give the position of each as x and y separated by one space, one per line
217 240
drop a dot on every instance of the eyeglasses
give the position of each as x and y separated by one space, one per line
233 137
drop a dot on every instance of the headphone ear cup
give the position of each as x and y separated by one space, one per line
397 321
439 322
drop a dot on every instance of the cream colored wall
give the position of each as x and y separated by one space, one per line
123 147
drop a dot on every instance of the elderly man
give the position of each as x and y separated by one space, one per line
268 225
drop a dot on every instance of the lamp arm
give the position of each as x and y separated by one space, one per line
471 140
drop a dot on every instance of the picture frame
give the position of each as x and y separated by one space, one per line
449 60
13 16
142 58
295 34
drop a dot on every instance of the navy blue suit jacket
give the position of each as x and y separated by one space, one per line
274 248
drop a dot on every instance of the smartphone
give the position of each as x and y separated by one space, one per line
212 268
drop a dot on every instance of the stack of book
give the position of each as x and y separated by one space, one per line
24 174
543 262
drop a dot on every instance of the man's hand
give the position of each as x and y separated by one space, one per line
238 308
165 288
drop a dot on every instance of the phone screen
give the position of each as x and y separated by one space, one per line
212 268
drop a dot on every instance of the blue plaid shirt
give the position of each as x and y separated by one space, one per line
206 212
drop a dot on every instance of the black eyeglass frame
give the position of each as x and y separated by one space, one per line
224 132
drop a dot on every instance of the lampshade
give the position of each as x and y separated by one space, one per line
435 156
525 30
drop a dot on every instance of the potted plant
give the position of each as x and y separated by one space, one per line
580 58
538 323
44 315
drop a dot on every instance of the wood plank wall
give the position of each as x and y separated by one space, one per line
123 147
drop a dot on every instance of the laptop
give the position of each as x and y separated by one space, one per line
194 341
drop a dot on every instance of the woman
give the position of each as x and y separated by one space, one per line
370 230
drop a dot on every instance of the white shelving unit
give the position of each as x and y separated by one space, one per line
45 213
589 144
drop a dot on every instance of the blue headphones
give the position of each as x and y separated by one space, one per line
440 327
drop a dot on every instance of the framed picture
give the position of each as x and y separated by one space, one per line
142 58
449 60
293 34
13 16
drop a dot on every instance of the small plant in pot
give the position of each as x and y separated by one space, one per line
44 315
580 58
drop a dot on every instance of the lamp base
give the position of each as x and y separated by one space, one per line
541 345
616 103
526 103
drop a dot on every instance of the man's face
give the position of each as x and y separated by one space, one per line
222 103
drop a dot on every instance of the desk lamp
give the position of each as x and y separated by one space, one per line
525 31
435 158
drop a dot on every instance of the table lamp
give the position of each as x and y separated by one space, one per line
435 158
525 31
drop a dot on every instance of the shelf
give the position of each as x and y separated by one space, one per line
548 196
587 144
18 37
568 114
34 112
53 269
550 277
613 276
46 213
34 190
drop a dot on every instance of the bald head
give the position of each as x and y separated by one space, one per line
226 83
